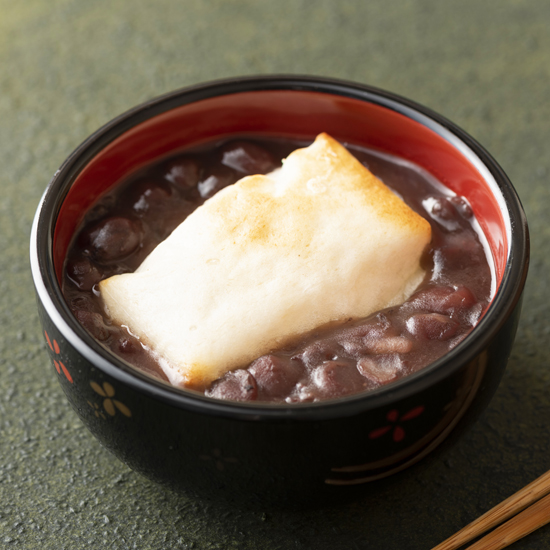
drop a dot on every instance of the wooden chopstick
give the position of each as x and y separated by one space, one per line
519 526
534 517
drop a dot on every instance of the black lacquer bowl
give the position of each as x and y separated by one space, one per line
259 453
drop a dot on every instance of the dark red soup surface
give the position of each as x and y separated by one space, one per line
358 355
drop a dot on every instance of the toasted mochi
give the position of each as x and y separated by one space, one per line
267 259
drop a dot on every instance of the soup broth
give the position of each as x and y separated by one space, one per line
348 357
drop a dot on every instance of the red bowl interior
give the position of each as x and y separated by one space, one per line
290 113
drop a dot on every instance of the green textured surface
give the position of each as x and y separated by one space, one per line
67 67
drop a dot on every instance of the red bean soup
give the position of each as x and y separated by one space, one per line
129 220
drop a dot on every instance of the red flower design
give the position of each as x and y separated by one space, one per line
59 366
219 459
393 417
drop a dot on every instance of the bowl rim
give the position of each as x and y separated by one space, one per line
506 298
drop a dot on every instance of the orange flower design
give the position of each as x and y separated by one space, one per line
59 366
109 404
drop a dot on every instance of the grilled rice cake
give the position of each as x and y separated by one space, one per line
267 259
